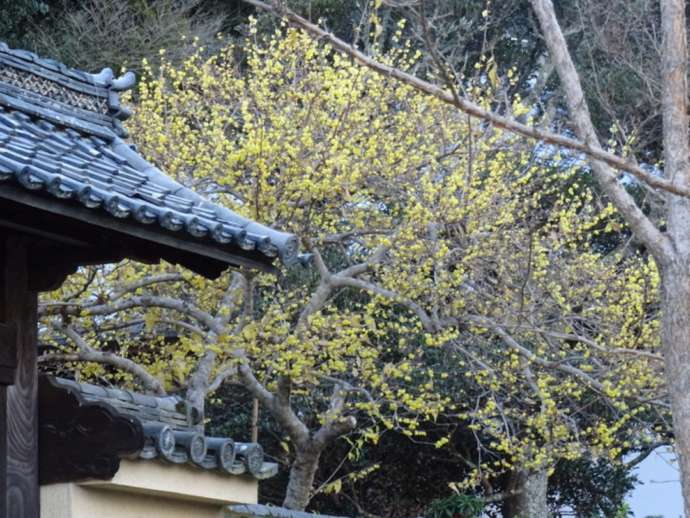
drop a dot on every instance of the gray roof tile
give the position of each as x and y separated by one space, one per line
168 435
60 133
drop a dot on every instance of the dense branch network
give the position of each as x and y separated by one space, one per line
589 147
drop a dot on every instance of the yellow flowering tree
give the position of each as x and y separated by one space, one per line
432 236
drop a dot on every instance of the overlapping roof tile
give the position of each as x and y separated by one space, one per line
61 133
83 423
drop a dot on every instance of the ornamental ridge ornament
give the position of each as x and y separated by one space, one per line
52 89
55 92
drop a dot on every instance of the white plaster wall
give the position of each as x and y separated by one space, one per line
146 489
73 501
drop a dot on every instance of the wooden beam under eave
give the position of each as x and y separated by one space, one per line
176 247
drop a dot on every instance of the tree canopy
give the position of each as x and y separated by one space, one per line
460 276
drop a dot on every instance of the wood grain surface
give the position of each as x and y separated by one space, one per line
19 423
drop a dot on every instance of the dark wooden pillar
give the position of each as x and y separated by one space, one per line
18 383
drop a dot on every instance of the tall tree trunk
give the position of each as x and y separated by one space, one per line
301 480
676 268
530 499
676 345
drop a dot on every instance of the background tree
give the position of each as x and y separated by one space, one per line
16 15
122 34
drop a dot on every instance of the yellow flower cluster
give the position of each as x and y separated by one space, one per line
507 301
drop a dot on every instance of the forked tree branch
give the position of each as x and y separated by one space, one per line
86 353
133 302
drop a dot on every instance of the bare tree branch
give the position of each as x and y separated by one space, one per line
221 376
336 424
143 301
341 281
149 280
283 413
231 298
86 353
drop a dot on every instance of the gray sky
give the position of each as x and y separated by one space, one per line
659 494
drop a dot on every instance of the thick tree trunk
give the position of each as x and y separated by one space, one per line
196 408
301 480
675 266
676 344
530 499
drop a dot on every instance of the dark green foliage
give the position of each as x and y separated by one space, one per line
456 506
17 16
591 488
92 34
413 479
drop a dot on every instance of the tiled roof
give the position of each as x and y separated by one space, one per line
61 135
147 427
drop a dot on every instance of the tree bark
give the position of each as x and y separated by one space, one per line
530 498
675 269
301 481
676 345
196 408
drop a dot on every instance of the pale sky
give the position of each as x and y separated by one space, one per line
659 493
